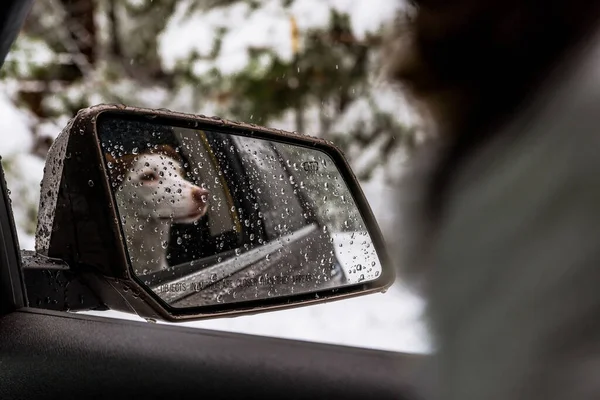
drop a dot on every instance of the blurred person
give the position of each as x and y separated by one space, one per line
504 237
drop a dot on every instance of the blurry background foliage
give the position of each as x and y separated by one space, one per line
262 61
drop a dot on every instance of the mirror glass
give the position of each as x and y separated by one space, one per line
213 217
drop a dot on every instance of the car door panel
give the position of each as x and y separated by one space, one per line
49 354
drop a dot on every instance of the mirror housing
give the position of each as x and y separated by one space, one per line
78 220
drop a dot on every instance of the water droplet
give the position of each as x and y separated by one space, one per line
91 183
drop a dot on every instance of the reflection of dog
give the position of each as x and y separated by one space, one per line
151 194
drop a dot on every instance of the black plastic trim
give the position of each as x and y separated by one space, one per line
59 355
12 16
12 288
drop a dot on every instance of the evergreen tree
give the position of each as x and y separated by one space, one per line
76 53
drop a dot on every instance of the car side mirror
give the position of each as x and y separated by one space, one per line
179 217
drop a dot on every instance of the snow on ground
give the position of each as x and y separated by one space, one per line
385 321
14 127
24 185
23 171
351 252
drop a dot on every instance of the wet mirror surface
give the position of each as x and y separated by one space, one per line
211 217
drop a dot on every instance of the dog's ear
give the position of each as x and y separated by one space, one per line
110 158
117 168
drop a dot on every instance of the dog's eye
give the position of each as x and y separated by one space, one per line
148 177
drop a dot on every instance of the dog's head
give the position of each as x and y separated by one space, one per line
151 185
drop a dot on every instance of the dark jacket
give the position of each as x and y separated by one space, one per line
512 271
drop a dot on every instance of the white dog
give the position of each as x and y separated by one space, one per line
151 194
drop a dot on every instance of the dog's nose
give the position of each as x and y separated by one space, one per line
200 195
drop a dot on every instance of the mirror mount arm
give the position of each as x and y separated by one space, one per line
52 285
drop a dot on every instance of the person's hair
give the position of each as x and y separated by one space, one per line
470 64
